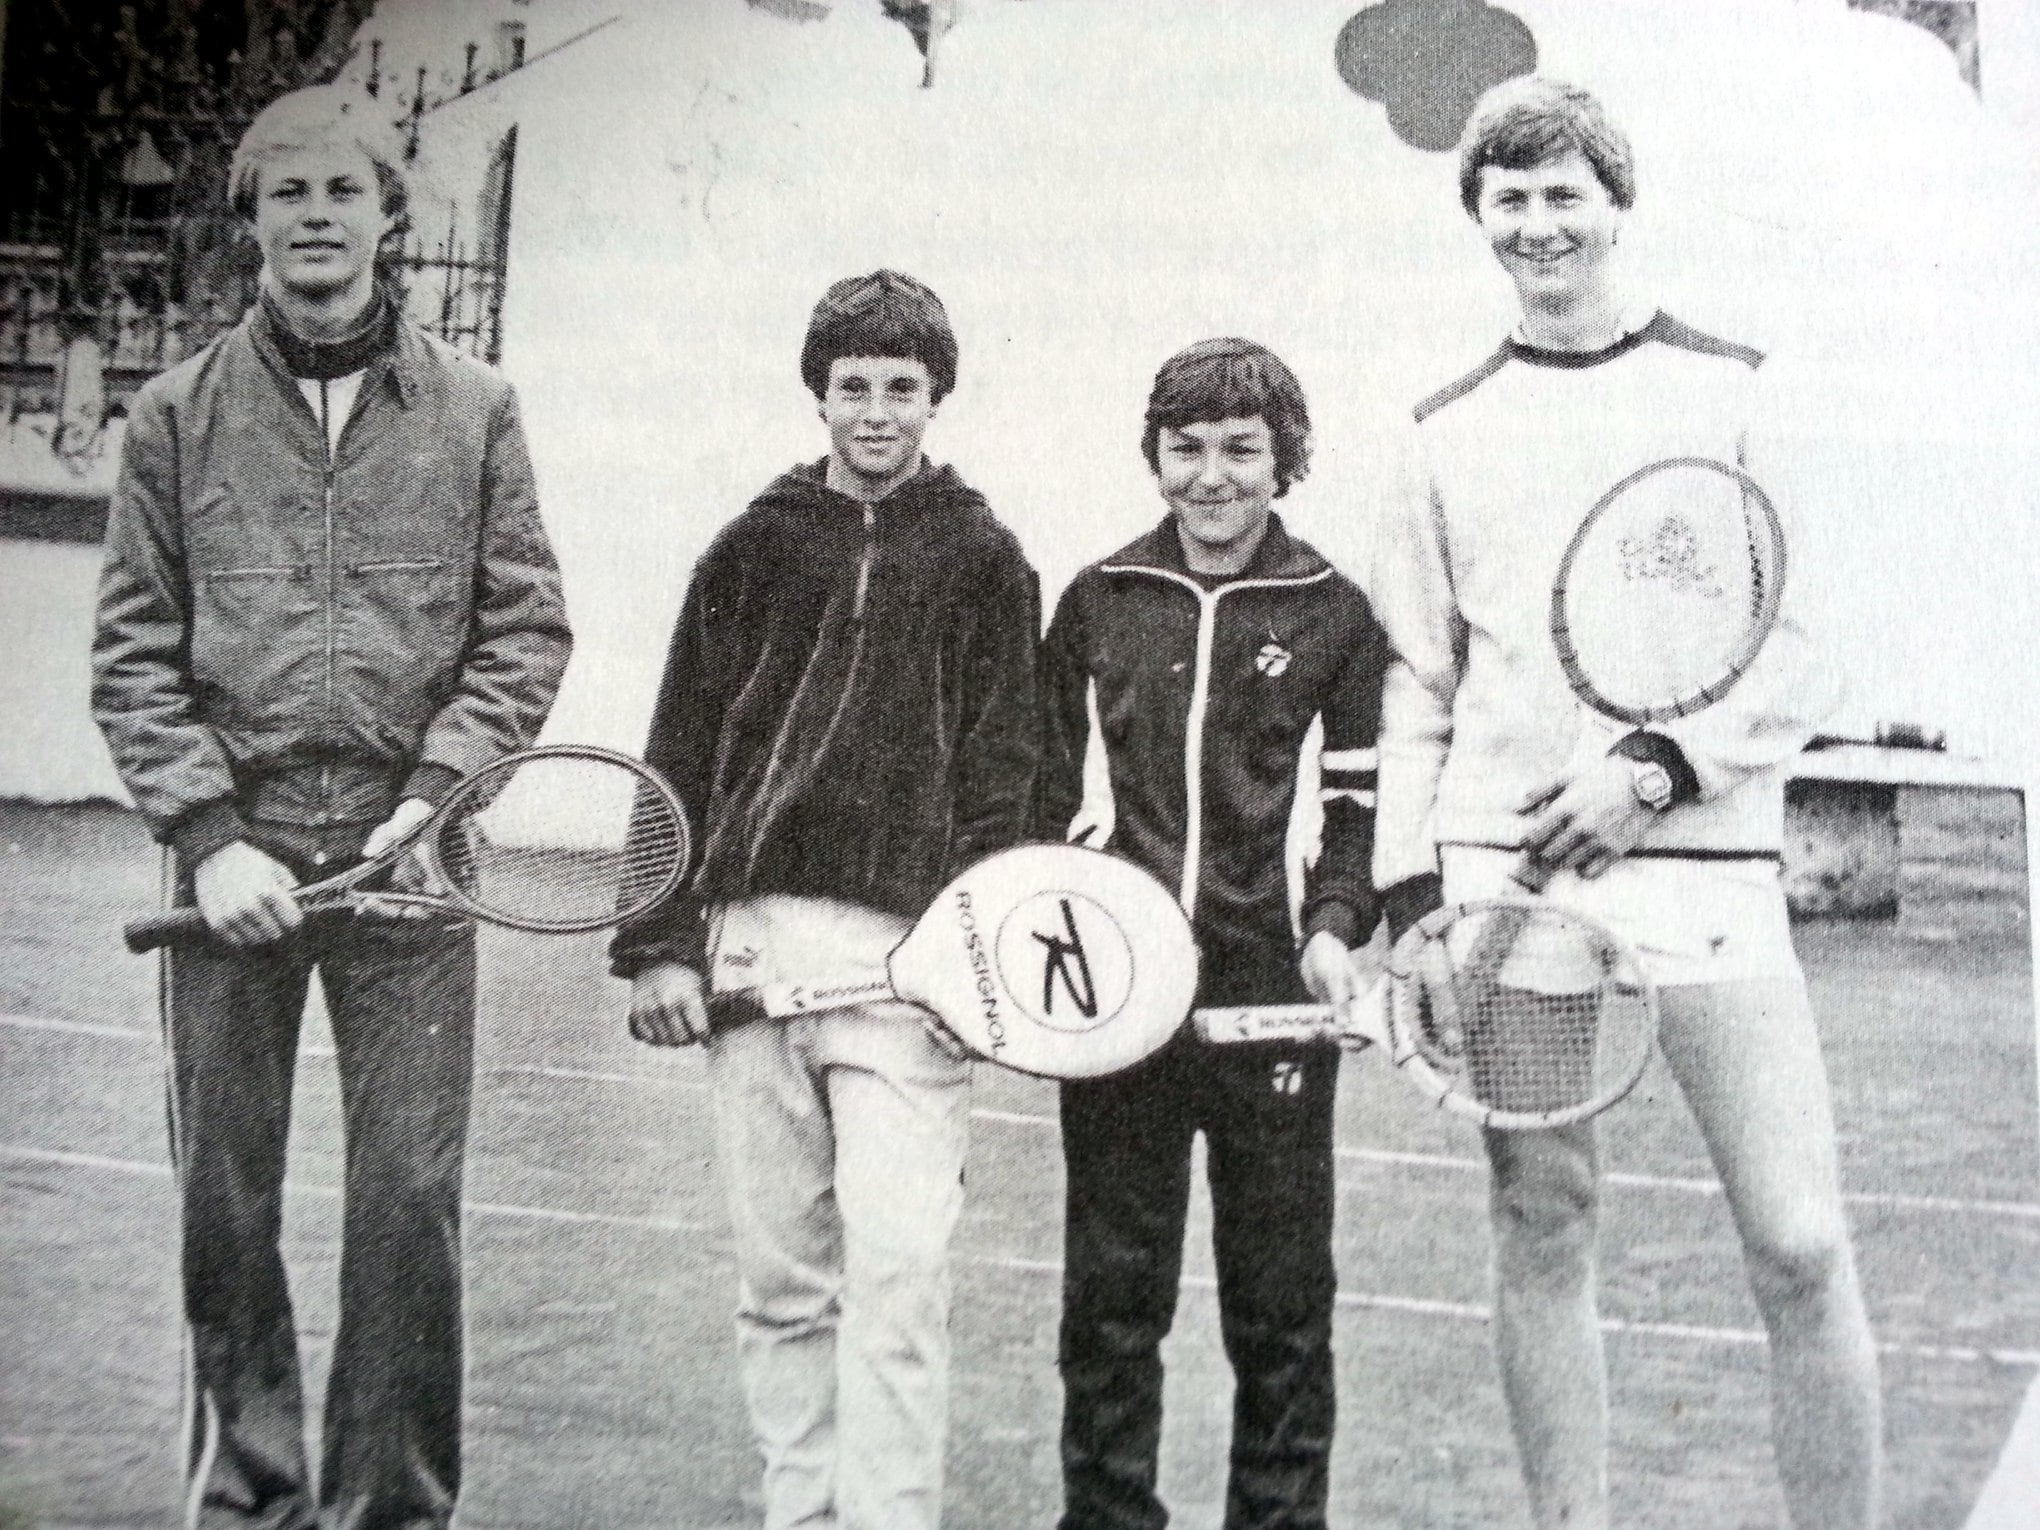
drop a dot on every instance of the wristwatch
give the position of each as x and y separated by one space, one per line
1652 784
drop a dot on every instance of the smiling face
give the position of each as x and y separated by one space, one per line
877 409
319 219
1219 477
1552 226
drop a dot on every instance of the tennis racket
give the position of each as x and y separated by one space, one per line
1054 960
555 840
1662 602
1562 1031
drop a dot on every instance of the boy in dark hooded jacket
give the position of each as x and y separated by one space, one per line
848 710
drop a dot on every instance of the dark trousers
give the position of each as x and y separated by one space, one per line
401 998
1266 1114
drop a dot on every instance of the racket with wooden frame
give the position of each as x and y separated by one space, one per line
556 840
1663 600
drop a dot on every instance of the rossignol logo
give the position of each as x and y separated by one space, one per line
1064 962
1067 966
983 980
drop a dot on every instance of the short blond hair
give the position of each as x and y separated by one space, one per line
319 115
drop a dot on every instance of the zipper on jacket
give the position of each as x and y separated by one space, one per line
864 563
1200 704
1193 747
332 590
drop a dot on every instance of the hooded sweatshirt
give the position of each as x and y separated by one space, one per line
848 706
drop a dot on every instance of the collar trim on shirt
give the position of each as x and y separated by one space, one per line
1542 356
1656 328
1280 559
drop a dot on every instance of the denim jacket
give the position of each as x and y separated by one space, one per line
306 637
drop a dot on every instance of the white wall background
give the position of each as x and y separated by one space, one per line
1094 183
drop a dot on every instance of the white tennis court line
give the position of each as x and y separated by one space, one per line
1414 1306
145 1169
77 1028
1672 1184
1466 1312
2023 1210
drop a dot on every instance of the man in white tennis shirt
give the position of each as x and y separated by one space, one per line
1671 836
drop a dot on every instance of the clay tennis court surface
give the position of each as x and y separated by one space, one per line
602 1389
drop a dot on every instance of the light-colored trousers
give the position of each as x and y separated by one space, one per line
841 1141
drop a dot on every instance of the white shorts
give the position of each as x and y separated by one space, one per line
1691 921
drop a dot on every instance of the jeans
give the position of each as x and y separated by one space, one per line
840 1138
401 998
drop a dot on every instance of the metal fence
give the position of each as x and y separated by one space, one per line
126 241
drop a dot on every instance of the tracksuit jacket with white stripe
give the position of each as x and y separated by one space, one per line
1204 689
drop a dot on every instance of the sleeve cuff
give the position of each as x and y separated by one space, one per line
1659 749
673 933
1410 899
431 782
210 828
1340 919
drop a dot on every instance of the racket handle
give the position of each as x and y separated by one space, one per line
1267 1022
1298 1022
783 1001
164 929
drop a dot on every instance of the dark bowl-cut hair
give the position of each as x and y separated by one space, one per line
1231 379
886 314
1530 121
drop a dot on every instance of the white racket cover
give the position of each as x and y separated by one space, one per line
1054 960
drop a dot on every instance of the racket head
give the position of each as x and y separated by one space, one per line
558 840
1054 960
1554 1032
1668 589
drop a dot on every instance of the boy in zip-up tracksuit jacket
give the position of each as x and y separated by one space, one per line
849 713
1205 651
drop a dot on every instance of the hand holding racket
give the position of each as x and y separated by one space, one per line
669 1005
1557 1036
555 841
1662 602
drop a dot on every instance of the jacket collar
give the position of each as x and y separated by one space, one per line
1279 557
401 362
808 482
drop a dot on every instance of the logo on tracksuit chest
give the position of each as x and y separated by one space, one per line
1273 659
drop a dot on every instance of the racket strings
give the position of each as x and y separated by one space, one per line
564 841
1558 1021
1668 590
